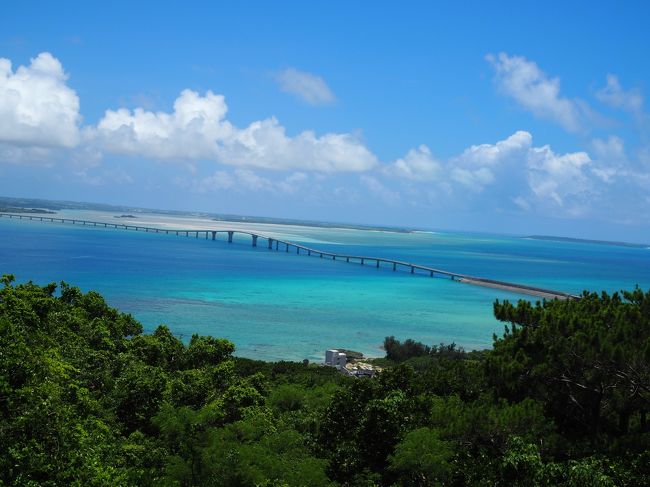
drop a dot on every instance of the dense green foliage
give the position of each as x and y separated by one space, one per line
88 399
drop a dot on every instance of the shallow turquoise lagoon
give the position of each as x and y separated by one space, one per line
275 305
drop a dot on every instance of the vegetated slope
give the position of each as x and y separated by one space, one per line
88 399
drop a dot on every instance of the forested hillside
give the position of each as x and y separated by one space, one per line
86 398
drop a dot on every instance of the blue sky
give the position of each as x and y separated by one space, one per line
513 117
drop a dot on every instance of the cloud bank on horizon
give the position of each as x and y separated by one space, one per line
41 124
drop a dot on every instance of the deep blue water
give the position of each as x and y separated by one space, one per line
276 305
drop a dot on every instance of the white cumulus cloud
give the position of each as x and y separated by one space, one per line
306 86
265 144
197 129
491 154
37 108
191 131
418 165
475 167
511 170
522 80
555 177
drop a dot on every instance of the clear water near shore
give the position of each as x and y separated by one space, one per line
279 306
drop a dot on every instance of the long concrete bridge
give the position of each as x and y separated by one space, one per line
273 243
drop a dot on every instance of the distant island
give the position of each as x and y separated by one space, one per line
125 216
7 202
14 209
584 240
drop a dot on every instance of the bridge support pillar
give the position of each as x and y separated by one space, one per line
197 234
412 269
362 261
254 240
377 263
431 273
214 235
270 243
394 266
187 234
309 252
230 237
297 250
277 244
286 248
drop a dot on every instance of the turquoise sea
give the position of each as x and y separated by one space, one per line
275 305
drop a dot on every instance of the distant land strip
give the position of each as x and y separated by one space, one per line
584 240
278 244
21 205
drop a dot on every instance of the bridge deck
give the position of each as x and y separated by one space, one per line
362 259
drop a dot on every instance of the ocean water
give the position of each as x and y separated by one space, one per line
277 305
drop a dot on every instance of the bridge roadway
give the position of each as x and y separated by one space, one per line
287 246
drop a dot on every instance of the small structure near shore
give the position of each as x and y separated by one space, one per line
351 364
360 369
334 358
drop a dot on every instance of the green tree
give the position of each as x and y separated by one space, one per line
422 459
204 351
586 359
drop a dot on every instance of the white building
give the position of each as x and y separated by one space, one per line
334 358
